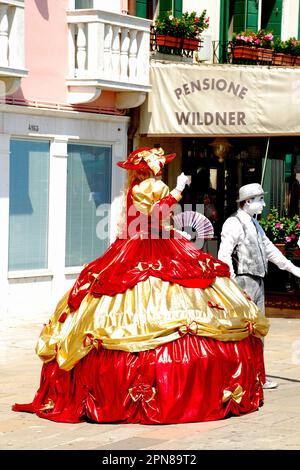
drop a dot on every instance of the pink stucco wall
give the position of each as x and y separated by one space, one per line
46 51
46 54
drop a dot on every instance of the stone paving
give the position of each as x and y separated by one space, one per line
275 426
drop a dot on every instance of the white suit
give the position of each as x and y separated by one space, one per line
254 249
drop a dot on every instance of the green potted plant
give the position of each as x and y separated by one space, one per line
253 46
243 47
278 55
264 44
180 33
192 27
264 39
295 51
284 232
288 49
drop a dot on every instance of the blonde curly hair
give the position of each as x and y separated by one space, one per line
136 176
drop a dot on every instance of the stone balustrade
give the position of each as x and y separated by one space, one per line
12 67
108 50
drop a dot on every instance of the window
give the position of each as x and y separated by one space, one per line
28 205
175 6
83 4
88 187
271 16
251 14
144 8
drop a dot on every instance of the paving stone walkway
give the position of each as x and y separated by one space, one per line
275 426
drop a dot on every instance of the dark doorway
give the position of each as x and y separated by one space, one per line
271 13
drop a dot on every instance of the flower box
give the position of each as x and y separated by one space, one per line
281 247
283 231
283 59
297 61
174 45
244 52
292 252
264 54
188 25
191 44
277 58
169 41
296 252
288 60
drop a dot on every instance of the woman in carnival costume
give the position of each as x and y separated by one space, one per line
154 331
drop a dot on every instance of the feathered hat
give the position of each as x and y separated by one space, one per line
145 158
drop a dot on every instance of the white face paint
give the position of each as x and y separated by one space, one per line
254 206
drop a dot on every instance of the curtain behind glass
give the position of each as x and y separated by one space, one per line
28 204
88 187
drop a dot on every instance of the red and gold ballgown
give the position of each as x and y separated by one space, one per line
154 331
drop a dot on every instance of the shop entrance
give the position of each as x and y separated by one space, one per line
215 181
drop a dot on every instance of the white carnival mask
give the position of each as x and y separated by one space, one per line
255 205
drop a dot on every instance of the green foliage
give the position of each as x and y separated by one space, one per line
278 45
251 38
189 25
264 39
290 46
281 229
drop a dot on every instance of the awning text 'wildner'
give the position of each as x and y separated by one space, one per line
230 118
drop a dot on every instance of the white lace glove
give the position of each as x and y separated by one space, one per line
295 270
182 180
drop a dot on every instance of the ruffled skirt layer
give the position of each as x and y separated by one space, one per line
152 332
191 379
152 313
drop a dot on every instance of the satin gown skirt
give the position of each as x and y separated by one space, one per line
190 379
152 332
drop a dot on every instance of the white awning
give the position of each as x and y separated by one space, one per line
203 100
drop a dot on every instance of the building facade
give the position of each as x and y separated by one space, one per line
81 85
247 110
68 76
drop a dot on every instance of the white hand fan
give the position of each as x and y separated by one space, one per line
196 221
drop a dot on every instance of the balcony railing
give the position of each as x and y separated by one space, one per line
12 67
222 52
108 51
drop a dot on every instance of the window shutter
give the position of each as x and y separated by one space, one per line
165 6
271 16
175 6
141 8
178 8
245 15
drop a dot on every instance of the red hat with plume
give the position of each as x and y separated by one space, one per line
145 158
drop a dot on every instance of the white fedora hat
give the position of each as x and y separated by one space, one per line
249 191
